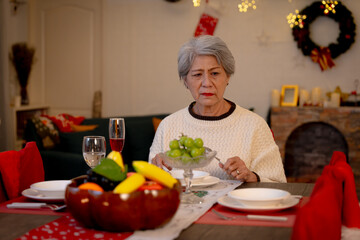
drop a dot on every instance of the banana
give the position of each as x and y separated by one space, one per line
154 173
116 156
130 184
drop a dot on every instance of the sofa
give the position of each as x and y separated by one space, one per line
65 159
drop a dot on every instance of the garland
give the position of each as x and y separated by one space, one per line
320 54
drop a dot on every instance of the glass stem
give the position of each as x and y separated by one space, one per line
188 175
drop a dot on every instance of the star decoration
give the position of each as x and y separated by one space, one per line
299 60
263 39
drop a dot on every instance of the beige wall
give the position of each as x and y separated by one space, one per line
140 40
13 29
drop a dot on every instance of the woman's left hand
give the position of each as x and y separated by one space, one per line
236 167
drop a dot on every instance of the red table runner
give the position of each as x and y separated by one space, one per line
211 218
67 227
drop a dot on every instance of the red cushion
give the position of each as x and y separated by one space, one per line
20 169
64 121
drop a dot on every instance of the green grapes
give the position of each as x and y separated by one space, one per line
198 142
187 148
174 144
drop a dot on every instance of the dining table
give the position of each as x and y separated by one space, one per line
13 225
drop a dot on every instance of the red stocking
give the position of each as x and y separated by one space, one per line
208 21
206 25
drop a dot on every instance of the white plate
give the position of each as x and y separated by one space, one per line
203 182
35 195
259 196
179 174
234 204
53 188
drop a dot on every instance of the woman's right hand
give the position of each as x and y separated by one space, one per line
158 161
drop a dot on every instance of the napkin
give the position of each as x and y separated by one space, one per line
20 169
332 203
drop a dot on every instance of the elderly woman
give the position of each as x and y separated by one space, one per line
242 139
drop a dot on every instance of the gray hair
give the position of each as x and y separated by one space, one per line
205 45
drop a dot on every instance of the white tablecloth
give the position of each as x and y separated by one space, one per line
187 213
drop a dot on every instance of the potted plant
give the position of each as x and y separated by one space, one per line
22 57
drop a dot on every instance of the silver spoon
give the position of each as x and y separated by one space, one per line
251 217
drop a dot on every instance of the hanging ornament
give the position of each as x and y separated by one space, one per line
207 22
295 19
196 3
329 6
246 5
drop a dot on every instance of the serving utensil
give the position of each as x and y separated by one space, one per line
36 205
251 217
218 159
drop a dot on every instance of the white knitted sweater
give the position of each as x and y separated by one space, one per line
242 133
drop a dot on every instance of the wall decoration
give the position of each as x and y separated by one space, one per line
319 54
208 21
206 25
263 38
196 3
243 7
295 19
246 5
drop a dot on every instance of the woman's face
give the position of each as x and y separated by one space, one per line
206 81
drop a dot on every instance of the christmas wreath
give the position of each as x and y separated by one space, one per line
319 54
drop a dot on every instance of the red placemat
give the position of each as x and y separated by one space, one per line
67 227
41 211
211 218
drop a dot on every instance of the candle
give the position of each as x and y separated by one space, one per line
304 97
17 101
316 96
335 99
275 98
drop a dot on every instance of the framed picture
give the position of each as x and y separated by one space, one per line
289 95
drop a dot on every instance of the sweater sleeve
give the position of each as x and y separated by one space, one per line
156 146
161 138
267 162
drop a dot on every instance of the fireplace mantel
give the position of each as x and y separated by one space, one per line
284 120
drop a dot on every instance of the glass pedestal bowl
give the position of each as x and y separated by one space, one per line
188 197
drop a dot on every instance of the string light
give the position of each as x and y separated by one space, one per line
246 5
296 20
329 6
196 3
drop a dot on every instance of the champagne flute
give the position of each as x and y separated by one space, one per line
94 150
117 133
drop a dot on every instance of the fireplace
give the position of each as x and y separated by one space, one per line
309 148
307 137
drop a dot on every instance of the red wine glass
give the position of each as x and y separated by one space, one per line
117 133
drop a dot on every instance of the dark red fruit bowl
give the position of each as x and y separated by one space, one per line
108 211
